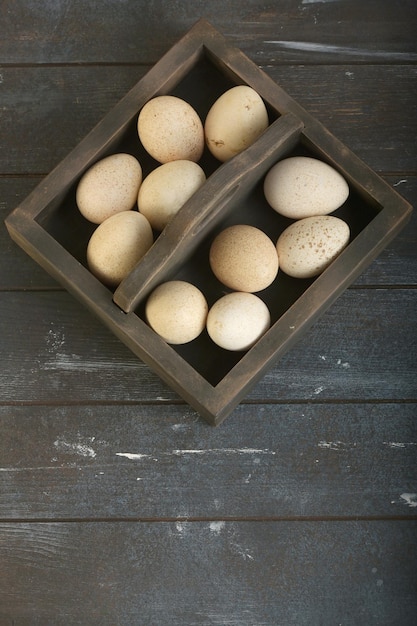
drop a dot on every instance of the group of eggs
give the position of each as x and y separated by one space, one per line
242 257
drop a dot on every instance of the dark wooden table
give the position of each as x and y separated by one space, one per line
118 503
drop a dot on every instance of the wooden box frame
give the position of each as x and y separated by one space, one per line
48 227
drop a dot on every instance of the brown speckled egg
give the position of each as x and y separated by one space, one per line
170 129
177 311
236 321
308 246
244 258
108 187
117 245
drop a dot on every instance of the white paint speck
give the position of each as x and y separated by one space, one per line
181 527
322 357
242 552
399 444
216 527
343 364
177 427
318 390
335 445
133 456
223 451
82 448
410 499
74 363
308 46
54 339
400 182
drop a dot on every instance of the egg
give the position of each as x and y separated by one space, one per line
108 187
237 320
299 187
177 311
243 258
166 189
170 129
117 245
308 246
235 120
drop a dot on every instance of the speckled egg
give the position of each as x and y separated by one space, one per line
308 246
108 187
166 189
235 120
299 187
170 129
244 258
237 320
117 245
177 311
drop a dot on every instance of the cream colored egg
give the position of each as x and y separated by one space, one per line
308 246
234 122
117 245
177 311
166 189
236 321
170 129
299 187
244 258
110 186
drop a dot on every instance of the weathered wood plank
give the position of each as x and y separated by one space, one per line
284 31
54 350
160 519
46 111
209 573
162 462
396 265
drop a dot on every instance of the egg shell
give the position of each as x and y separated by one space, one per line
308 246
237 320
108 187
166 189
244 258
170 129
235 120
299 187
177 311
117 245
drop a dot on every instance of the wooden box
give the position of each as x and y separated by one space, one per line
199 68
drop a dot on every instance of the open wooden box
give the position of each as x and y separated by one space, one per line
199 68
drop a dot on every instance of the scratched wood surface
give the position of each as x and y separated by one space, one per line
118 504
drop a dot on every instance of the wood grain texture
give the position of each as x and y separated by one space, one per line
48 110
118 504
237 573
364 348
396 265
163 462
283 31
